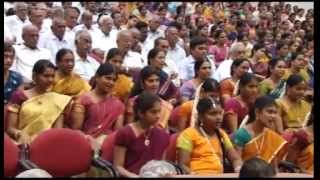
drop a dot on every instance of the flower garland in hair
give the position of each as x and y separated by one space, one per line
194 113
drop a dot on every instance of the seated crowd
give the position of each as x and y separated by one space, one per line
210 87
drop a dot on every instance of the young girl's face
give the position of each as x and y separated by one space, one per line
213 117
152 115
152 83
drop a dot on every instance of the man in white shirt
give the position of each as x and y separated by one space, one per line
16 22
237 50
28 53
117 21
198 52
55 39
86 23
71 16
85 66
175 52
143 28
103 38
153 33
131 59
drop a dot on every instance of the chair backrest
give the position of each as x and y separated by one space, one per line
172 148
61 152
107 147
11 157
174 117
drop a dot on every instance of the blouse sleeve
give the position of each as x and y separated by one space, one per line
184 141
225 88
186 91
231 106
123 137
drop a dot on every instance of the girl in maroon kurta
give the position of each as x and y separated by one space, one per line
140 141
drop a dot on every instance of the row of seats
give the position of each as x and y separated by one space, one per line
64 152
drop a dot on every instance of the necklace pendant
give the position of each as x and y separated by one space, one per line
147 142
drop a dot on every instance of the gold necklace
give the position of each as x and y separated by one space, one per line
259 148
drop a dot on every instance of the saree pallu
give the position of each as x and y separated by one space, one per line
227 87
294 114
267 146
100 117
39 113
305 159
205 158
72 85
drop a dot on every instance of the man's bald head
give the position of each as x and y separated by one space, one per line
30 35
21 10
154 23
86 19
58 27
124 40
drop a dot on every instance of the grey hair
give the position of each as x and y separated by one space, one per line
123 32
34 173
104 17
156 168
80 33
19 3
235 47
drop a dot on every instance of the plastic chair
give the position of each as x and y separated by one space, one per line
107 146
14 158
65 152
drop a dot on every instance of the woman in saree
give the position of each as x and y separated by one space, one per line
167 90
35 110
293 108
259 60
202 71
258 138
236 108
123 85
149 81
140 141
297 66
209 88
12 80
66 82
229 86
203 149
274 85
301 147
98 113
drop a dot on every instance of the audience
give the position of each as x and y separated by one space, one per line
143 71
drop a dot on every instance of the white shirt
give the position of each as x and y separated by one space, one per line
172 68
103 42
26 58
83 27
71 35
149 42
187 72
178 55
224 70
133 60
85 68
53 44
15 25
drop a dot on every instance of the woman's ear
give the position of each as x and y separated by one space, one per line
34 77
257 112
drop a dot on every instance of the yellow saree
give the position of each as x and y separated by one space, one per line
305 159
293 114
72 85
267 146
39 113
205 158
165 113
